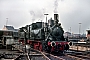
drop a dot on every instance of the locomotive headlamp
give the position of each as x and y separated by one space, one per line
70 43
53 43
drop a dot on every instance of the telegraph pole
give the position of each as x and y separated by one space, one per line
6 21
79 29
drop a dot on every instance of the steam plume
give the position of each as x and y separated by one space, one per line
32 15
55 6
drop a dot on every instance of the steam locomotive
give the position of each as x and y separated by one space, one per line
47 36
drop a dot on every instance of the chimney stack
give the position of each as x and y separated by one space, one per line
56 18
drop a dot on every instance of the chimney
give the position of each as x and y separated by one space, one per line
56 18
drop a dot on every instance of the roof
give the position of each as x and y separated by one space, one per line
5 30
10 27
68 32
16 30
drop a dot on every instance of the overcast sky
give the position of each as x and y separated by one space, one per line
23 12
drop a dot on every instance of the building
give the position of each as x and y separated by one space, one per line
67 34
72 35
11 28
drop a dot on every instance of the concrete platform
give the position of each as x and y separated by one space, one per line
80 48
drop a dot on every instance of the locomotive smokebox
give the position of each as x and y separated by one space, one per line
56 18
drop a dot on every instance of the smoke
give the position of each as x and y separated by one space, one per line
56 6
37 14
32 15
43 10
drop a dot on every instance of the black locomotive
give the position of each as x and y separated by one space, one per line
45 36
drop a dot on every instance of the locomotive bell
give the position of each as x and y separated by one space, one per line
56 18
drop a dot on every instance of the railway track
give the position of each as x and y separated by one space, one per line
19 53
37 55
78 54
31 54
73 55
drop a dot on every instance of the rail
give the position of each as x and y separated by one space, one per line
57 57
28 57
16 58
45 56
